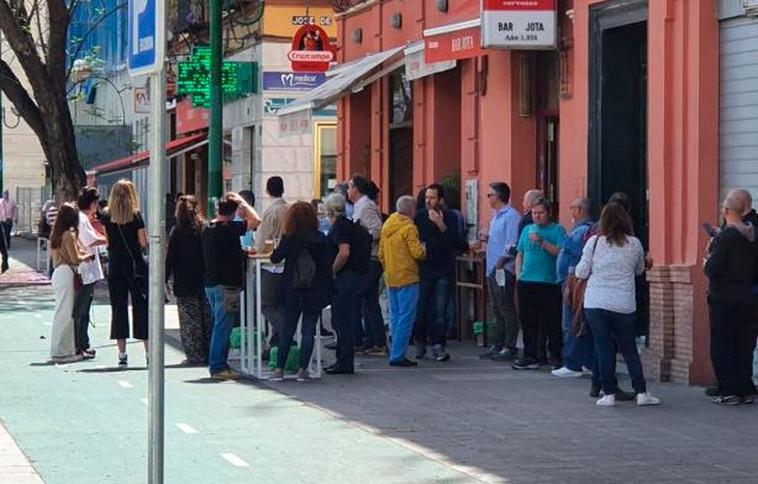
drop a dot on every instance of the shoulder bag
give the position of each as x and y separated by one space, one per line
575 289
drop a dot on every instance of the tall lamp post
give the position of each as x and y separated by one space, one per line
216 128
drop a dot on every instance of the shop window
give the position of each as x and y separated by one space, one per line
325 171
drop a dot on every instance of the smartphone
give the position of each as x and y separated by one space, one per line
709 230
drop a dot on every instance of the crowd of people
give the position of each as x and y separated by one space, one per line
573 296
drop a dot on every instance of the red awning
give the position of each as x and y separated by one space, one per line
173 148
457 41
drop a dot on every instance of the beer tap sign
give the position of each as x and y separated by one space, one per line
311 50
519 24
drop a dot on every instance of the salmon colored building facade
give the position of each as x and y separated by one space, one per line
626 101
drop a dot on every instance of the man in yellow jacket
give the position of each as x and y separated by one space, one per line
400 251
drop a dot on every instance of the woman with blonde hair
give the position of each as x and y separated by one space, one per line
184 263
127 275
67 254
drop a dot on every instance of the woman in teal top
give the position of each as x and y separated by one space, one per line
539 294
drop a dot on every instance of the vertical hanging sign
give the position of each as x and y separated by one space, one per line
519 24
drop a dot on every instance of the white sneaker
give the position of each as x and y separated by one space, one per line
606 401
566 373
644 399
586 371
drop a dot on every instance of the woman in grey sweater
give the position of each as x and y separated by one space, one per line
610 261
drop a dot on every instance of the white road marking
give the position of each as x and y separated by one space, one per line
100 367
47 323
143 400
235 460
186 428
125 384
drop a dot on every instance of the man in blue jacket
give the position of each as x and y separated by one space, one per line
439 230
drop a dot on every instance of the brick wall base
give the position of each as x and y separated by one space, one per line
669 355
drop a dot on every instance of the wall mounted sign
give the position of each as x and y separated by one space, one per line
141 100
519 24
459 44
311 50
284 20
292 81
190 119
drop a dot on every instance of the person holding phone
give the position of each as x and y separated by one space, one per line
732 269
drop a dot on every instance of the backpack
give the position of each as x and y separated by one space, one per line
304 274
361 248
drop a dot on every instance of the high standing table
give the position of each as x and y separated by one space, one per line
471 279
253 325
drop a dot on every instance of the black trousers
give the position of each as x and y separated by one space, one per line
540 312
122 285
732 345
82 303
344 313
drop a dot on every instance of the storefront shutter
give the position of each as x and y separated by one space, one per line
738 125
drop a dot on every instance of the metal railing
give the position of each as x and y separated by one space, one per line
29 201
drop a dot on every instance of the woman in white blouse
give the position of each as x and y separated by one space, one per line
610 261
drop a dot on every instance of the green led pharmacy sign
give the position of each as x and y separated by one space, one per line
194 76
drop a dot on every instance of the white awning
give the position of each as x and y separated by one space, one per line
339 84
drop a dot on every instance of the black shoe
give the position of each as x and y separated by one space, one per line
728 400
595 391
505 355
622 396
526 364
331 346
326 334
747 400
712 392
339 370
404 362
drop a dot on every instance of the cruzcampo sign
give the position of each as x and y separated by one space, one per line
311 50
519 24
194 78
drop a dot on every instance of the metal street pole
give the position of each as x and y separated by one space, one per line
157 224
215 131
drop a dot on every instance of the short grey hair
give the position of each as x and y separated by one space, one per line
335 205
532 196
406 205
585 204
743 195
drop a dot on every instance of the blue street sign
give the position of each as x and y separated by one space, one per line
146 41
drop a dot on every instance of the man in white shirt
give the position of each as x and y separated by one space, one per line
91 271
8 217
270 230
362 193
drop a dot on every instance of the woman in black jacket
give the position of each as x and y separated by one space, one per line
306 283
732 268
184 261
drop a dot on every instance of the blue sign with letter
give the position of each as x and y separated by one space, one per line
292 81
146 40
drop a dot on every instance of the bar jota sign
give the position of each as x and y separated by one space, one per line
519 24
448 46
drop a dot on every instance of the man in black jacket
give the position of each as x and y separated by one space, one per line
438 230
732 268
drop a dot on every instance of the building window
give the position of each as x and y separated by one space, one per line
325 172
401 98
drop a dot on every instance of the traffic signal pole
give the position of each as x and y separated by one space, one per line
216 129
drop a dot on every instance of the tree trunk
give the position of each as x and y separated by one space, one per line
66 174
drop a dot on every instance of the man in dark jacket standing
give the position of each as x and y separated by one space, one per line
438 229
732 268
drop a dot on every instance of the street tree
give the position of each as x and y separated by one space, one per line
36 31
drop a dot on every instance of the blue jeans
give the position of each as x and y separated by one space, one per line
608 326
431 321
577 352
222 329
292 311
403 302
